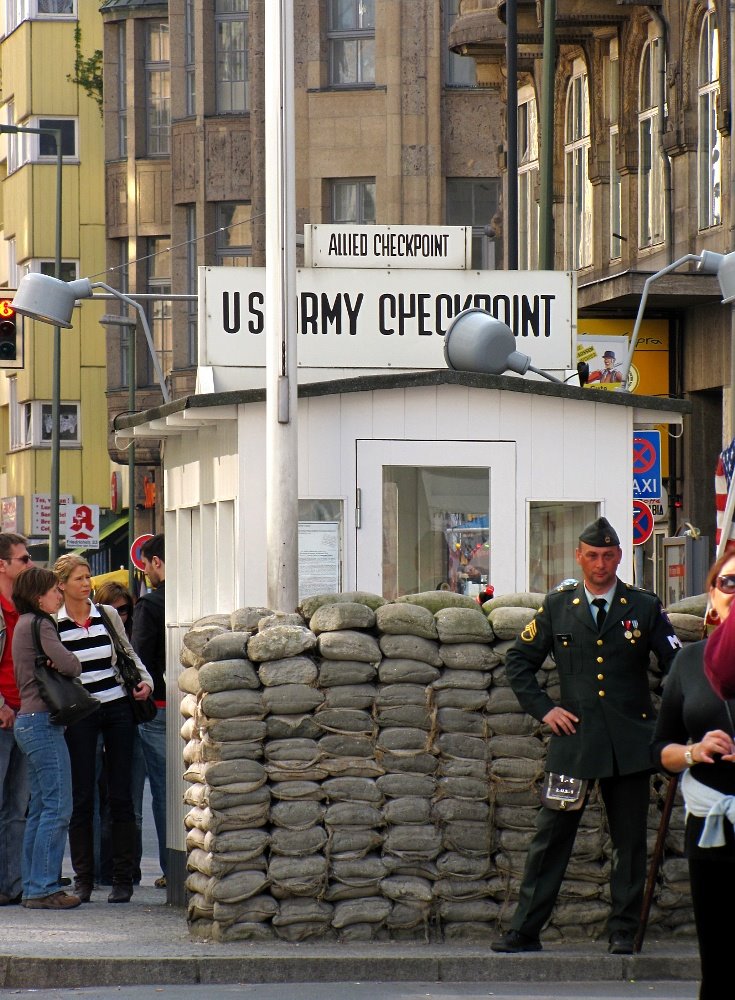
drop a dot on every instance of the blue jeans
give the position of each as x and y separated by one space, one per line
13 804
153 740
50 807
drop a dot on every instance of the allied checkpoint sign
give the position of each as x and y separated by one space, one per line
389 319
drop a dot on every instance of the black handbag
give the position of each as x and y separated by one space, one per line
67 698
143 710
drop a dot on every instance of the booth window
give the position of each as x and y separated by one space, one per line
436 530
553 536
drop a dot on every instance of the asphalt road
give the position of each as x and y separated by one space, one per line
383 991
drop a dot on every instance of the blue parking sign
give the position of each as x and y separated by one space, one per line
647 465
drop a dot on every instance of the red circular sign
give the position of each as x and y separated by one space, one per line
642 522
644 456
135 551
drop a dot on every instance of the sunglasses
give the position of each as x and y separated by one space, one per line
726 584
24 559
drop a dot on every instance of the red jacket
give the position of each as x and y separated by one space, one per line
8 688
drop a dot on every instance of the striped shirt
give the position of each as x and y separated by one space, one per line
93 647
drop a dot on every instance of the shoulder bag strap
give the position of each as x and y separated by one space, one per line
36 633
112 631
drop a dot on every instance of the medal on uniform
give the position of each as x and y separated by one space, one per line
628 633
636 630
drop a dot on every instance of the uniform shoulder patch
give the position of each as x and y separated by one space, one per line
565 585
529 632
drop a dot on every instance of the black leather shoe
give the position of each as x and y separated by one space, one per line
84 891
515 941
120 894
621 943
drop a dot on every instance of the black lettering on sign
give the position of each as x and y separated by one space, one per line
386 306
256 303
406 311
231 324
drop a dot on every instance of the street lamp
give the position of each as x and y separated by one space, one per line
50 300
478 342
53 540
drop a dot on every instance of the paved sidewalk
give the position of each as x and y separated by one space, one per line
147 942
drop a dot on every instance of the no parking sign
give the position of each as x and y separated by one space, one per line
642 522
135 551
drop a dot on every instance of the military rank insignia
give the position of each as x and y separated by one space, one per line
529 632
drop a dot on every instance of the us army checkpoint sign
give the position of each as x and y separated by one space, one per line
349 318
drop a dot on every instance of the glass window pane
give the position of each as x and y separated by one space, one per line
554 530
436 531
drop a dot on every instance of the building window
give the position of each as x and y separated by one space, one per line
31 423
351 36
14 413
125 332
159 311
650 166
122 89
231 24
189 58
353 200
459 71
473 201
611 69
192 282
28 147
528 210
709 147
17 11
158 88
69 268
577 187
234 242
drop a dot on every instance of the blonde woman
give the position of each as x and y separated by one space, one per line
83 632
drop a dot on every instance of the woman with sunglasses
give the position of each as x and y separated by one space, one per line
83 631
119 598
694 737
719 653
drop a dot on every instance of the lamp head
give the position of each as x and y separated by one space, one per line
478 342
49 299
723 265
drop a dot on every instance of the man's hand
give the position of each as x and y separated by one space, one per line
561 721
7 717
141 691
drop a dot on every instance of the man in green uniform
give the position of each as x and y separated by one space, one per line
600 632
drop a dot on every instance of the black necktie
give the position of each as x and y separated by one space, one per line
599 603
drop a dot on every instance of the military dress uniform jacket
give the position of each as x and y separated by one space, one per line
603 677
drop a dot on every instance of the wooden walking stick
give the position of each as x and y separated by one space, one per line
656 859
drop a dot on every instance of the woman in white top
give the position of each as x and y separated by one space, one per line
83 631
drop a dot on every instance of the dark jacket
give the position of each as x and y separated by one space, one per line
603 677
149 637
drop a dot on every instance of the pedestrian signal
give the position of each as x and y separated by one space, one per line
11 338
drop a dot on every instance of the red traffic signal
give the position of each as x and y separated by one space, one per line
11 344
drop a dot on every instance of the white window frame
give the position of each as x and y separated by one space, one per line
25 147
361 35
17 11
528 167
189 58
709 145
122 89
47 265
577 185
232 93
650 165
27 422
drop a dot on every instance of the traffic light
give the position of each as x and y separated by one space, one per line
11 337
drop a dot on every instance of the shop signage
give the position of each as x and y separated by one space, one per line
41 513
388 246
12 514
385 319
82 526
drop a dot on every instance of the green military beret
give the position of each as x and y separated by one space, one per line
600 533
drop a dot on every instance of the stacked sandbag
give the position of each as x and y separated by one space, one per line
362 771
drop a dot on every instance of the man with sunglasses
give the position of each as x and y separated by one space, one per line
600 632
14 788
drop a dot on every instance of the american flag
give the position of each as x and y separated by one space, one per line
723 477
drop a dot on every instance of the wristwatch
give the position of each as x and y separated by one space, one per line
688 758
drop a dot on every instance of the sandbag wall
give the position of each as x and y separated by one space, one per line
362 770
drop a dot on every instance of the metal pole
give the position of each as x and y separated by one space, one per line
53 548
511 58
546 208
281 374
132 337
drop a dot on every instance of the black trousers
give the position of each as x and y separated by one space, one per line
626 803
713 892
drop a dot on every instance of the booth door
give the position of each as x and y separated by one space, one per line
435 515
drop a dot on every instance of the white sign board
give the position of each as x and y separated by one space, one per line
11 514
83 526
319 558
41 513
388 246
384 319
